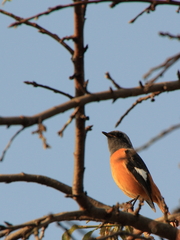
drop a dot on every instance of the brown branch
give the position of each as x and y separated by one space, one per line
108 76
59 7
151 7
164 66
79 81
139 100
41 30
72 116
139 222
159 136
34 84
171 36
10 142
39 131
89 98
47 181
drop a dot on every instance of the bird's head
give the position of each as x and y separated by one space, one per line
117 140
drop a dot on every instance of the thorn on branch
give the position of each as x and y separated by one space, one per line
113 4
114 98
34 84
141 84
108 76
178 75
85 86
8 224
88 128
84 117
73 76
85 48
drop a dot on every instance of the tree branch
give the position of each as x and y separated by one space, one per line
89 98
108 76
100 215
10 142
159 136
78 61
164 66
34 84
151 7
171 36
59 7
41 30
72 116
139 100
46 181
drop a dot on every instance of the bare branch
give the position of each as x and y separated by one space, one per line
34 84
39 131
41 30
47 181
10 142
139 100
108 76
88 98
59 7
72 116
159 136
151 7
79 81
171 36
164 66
138 222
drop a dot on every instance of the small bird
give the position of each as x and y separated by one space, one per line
130 173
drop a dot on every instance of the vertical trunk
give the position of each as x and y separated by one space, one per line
78 60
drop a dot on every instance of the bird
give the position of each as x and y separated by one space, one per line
130 173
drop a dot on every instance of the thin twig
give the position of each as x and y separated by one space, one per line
139 100
72 116
34 84
159 136
10 142
41 30
165 65
39 131
137 210
171 36
108 76
147 10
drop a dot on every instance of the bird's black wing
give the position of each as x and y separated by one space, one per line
140 171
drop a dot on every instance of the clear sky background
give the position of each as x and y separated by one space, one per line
127 51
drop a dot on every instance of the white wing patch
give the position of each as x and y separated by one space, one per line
142 173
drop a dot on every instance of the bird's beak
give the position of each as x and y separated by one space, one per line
106 134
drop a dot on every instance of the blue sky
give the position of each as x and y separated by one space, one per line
127 51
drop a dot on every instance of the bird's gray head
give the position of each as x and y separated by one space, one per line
117 140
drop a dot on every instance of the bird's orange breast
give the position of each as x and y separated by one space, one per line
123 177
